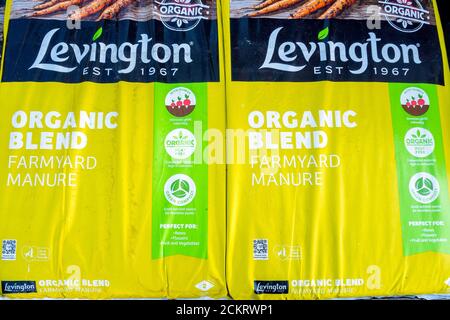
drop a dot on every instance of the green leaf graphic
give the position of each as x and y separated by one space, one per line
323 34
97 34
419 184
175 186
185 185
428 183
179 193
179 188
424 192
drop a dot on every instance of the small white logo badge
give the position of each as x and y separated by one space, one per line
180 144
419 142
205 285
405 15
424 187
181 15
180 190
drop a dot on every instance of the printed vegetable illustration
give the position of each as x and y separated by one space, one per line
413 106
114 9
181 102
46 4
108 9
421 101
186 101
57 7
335 7
91 8
275 7
265 4
310 7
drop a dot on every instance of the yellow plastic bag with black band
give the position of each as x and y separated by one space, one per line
109 186
339 149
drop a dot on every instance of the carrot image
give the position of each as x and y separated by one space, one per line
283 4
90 9
265 4
337 8
114 9
57 7
310 7
46 4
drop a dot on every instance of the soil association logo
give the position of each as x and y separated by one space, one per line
181 15
419 142
405 15
180 144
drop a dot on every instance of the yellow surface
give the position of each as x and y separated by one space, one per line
349 228
101 229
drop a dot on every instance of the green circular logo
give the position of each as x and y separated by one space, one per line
180 144
424 187
419 142
179 190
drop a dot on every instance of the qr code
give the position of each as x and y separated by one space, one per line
9 249
260 249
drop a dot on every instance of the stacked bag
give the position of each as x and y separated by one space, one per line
252 149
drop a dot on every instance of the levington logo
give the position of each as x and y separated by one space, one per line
272 287
295 56
65 57
10 287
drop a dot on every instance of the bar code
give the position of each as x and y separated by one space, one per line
260 249
9 249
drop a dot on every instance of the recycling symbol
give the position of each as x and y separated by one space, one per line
424 187
179 190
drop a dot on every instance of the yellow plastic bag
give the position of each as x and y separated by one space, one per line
342 190
105 186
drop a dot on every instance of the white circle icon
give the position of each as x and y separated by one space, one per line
181 15
180 144
180 101
415 101
424 187
405 15
179 190
419 142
